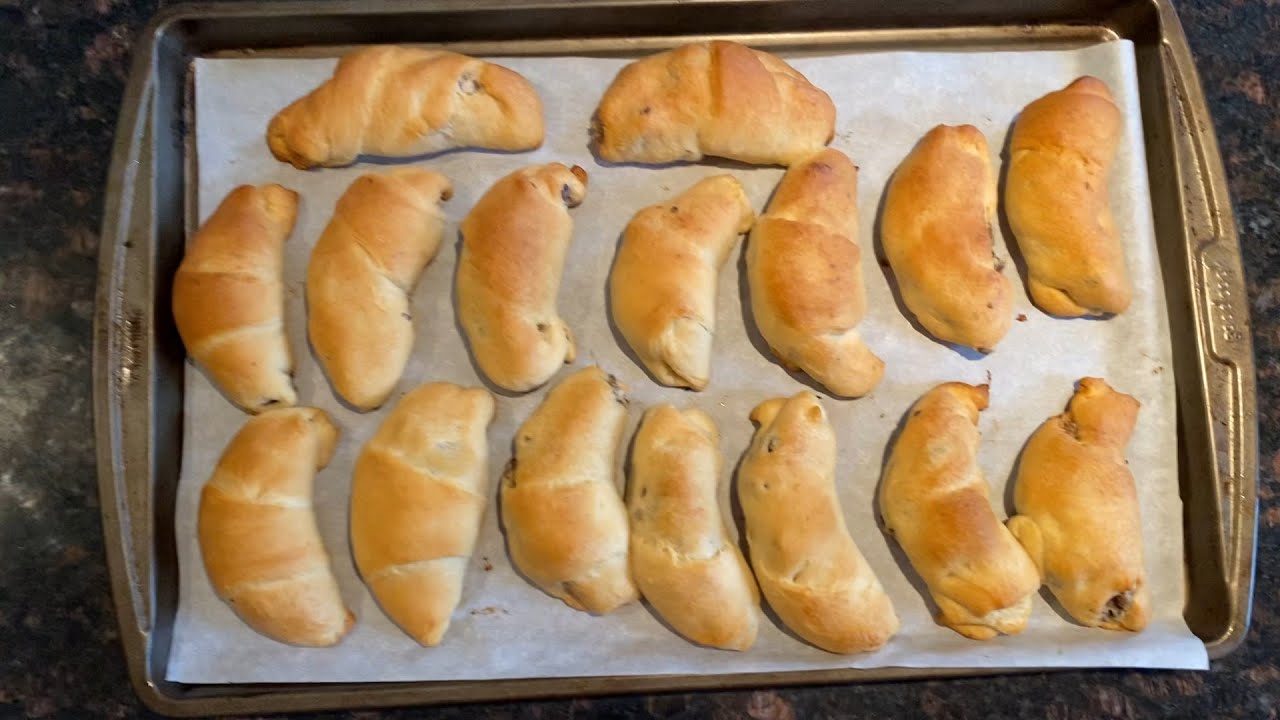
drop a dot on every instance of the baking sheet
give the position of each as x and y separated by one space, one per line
505 628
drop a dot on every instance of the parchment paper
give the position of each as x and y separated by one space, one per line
505 628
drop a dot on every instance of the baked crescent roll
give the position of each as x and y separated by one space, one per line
513 248
399 102
1078 509
258 533
417 498
809 568
936 232
384 231
565 522
683 558
663 284
804 269
712 98
228 297
1059 205
937 505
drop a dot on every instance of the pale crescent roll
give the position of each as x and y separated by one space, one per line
662 287
804 269
684 560
937 505
809 568
565 522
418 495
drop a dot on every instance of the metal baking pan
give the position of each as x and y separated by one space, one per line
138 358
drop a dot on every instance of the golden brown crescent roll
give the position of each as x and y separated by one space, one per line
808 566
1078 509
228 297
712 98
684 561
804 269
399 102
936 232
417 499
937 505
1059 204
565 522
258 533
513 248
663 284
385 229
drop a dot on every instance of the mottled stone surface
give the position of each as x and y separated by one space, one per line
62 67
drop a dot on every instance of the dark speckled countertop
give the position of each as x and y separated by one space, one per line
62 70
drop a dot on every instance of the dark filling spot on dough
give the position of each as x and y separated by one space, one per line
917 412
645 110
771 446
542 327
468 85
566 194
644 491
571 589
1069 427
1117 607
675 209
619 394
997 263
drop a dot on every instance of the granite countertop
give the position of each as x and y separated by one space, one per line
62 70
